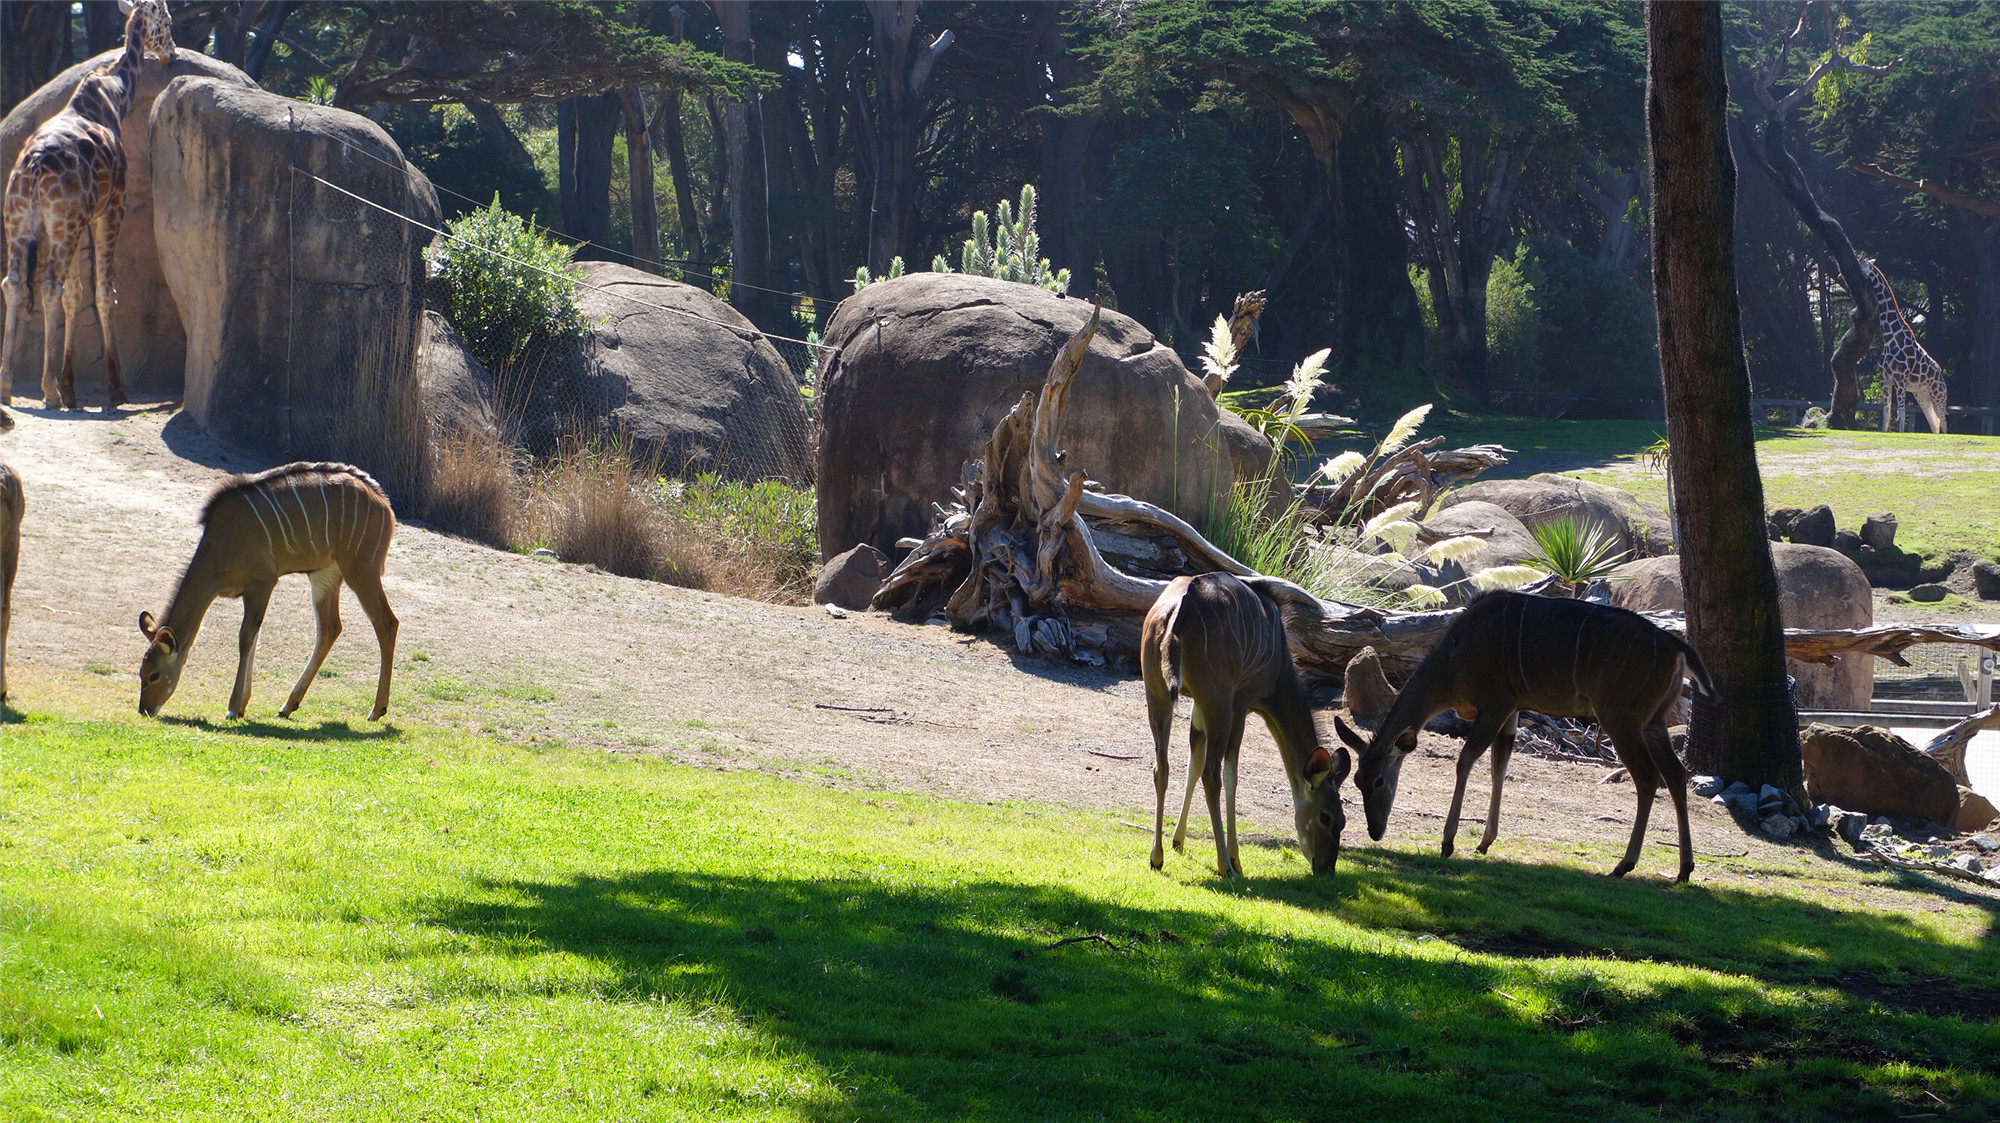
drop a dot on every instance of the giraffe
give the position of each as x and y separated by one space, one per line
68 180
1906 366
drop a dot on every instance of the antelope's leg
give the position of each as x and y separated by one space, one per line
1674 775
326 605
255 599
104 237
367 586
10 556
1160 716
1484 728
1503 751
1229 755
1630 741
1197 770
1219 774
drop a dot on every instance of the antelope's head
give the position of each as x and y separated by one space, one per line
1381 764
1316 808
154 25
160 669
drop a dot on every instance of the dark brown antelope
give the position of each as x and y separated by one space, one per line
10 553
1222 641
1509 652
328 521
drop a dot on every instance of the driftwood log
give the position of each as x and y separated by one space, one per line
1030 549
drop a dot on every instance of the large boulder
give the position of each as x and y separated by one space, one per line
145 323
1640 528
1508 544
457 390
928 365
1817 588
301 302
1874 771
681 376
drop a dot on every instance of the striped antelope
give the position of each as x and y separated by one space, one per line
328 521
11 507
1222 640
1509 652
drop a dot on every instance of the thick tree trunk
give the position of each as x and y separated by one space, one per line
1732 589
1983 359
258 51
103 26
749 190
34 47
674 135
585 130
639 178
896 128
1380 332
1066 145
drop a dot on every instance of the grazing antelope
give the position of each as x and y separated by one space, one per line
1509 652
329 521
1222 640
10 552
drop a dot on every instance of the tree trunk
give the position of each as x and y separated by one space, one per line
1751 734
675 137
749 192
1380 330
103 26
639 177
34 47
896 127
516 156
1983 360
258 52
1066 145
585 130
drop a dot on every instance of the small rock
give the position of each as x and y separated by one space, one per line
1780 826
1848 825
1879 531
1992 875
1706 786
1935 851
1847 542
1814 528
1985 842
1966 862
1780 521
1986 580
851 579
1975 811
544 552
1817 817
835 611
1877 830
1737 788
1929 592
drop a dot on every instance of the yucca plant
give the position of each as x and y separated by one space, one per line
1573 555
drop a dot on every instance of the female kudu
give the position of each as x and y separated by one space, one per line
1222 640
10 550
329 521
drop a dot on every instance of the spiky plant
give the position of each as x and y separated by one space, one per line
1010 250
1573 555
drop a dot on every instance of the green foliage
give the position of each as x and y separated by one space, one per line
862 280
1572 554
770 520
1513 324
1597 335
468 163
1010 250
507 284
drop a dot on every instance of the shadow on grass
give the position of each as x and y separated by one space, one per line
288 731
996 1000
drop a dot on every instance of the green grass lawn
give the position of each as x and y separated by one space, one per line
289 921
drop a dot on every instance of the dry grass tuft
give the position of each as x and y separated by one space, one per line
474 487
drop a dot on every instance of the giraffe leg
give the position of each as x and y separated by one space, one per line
104 239
52 315
15 291
72 303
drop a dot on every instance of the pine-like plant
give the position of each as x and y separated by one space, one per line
1009 249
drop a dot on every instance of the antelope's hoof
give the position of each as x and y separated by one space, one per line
1158 858
1621 869
1480 849
377 712
117 400
232 715
287 711
1180 844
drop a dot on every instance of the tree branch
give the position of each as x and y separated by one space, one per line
1925 187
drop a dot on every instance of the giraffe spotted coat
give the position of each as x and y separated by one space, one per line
1907 369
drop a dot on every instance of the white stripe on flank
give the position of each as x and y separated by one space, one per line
269 541
325 515
346 516
284 524
305 517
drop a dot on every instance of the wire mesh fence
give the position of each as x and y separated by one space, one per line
1938 672
650 429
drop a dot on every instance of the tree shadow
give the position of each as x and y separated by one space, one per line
998 1000
286 730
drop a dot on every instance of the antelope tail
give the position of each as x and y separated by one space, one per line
1170 648
1703 685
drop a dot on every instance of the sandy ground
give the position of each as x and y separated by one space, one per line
538 651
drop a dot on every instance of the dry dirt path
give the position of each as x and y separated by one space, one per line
540 652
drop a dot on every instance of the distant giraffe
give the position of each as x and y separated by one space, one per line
1906 366
68 180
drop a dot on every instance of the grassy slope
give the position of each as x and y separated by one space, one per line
1940 488
275 921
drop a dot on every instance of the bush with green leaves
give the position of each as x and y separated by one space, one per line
1597 330
1007 248
508 284
1513 325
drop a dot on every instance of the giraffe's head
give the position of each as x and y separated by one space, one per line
150 28
160 668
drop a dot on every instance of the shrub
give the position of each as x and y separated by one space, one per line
1598 335
1513 325
747 539
507 284
1008 249
590 504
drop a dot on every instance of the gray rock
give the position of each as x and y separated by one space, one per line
458 392
1705 786
1937 851
1779 826
930 363
1846 541
1814 528
1639 527
1992 874
1874 770
1966 862
1779 522
852 579
1878 830
544 552
1929 592
1879 531
322 367
1986 580
1849 825
146 321
1509 542
1817 588
1985 842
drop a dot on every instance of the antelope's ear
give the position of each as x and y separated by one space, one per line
146 624
1319 767
1350 736
1342 765
1406 740
164 636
